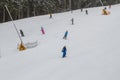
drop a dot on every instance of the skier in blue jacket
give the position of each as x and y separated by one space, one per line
64 50
65 35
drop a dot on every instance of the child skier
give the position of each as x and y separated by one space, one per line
72 21
65 35
21 32
50 15
64 50
109 6
81 9
42 29
86 11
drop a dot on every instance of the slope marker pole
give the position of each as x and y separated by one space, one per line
21 47
13 23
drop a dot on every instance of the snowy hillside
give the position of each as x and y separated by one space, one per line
93 47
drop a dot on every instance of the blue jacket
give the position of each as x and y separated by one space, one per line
66 33
64 49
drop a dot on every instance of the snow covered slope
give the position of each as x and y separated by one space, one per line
93 47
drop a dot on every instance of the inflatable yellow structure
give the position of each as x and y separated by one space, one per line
21 47
105 12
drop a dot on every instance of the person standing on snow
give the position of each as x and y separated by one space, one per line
81 9
21 32
72 21
65 35
86 11
50 15
42 29
64 50
109 6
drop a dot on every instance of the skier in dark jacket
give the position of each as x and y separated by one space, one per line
21 32
64 50
81 9
86 12
65 35
72 21
50 15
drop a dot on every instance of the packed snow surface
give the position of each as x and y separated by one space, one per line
93 47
